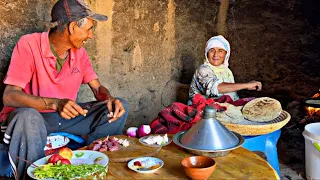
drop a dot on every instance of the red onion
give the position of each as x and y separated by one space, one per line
144 130
132 131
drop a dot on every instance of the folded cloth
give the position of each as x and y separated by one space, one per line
5 112
179 117
73 137
239 102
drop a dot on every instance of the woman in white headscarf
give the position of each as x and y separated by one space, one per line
214 78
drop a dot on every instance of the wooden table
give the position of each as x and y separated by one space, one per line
239 164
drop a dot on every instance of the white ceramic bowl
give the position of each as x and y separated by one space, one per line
146 162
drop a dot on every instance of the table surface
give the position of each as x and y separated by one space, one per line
238 164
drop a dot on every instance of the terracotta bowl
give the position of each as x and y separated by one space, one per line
198 167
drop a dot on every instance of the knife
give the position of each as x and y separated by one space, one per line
94 104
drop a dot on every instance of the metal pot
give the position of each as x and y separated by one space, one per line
206 152
312 103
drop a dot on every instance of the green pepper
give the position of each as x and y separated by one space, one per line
79 154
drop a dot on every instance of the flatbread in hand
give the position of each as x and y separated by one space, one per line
262 109
231 115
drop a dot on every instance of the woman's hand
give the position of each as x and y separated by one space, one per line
115 108
67 108
254 85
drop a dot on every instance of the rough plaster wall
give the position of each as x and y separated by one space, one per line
140 59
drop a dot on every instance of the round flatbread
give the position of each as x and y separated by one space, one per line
231 115
262 109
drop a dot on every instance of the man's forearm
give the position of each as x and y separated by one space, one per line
16 98
102 94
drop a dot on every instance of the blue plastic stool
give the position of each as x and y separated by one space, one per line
267 144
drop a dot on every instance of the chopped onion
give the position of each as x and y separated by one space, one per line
144 130
132 131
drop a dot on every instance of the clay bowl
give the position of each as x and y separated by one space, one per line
198 167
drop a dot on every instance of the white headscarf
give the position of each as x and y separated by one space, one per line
219 42
222 72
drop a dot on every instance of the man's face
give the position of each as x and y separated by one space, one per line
216 56
80 35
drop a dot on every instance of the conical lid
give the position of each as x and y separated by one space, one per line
209 134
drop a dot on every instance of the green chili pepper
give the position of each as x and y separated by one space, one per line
79 154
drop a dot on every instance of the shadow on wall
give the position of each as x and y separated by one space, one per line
174 92
177 88
188 68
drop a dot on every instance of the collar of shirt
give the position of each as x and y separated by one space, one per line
46 51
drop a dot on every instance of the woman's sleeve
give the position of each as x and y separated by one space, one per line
208 81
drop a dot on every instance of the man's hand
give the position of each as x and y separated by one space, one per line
101 93
68 109
115 108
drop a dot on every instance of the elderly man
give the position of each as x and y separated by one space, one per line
44 77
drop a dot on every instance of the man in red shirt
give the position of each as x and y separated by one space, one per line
43 79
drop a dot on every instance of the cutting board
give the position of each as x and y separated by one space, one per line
134 150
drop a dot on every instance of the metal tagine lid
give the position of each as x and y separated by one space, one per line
209 134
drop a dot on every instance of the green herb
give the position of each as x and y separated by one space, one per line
68 171
79 154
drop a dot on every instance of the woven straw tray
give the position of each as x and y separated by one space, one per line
250 128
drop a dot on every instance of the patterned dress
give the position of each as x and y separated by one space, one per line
205 81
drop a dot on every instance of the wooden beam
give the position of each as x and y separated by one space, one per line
222 17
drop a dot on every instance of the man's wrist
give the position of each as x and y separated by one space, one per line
46 103
50 103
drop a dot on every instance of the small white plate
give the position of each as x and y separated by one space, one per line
87 157
146 162
141 140
54 142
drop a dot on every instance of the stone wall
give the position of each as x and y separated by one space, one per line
276 43
148 50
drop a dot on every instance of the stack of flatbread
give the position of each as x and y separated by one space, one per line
231 115
262 109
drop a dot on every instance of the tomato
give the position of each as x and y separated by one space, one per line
54 158
137 163
65 161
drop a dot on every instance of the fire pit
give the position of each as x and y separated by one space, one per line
312 108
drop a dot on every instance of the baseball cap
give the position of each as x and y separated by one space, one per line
65 11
